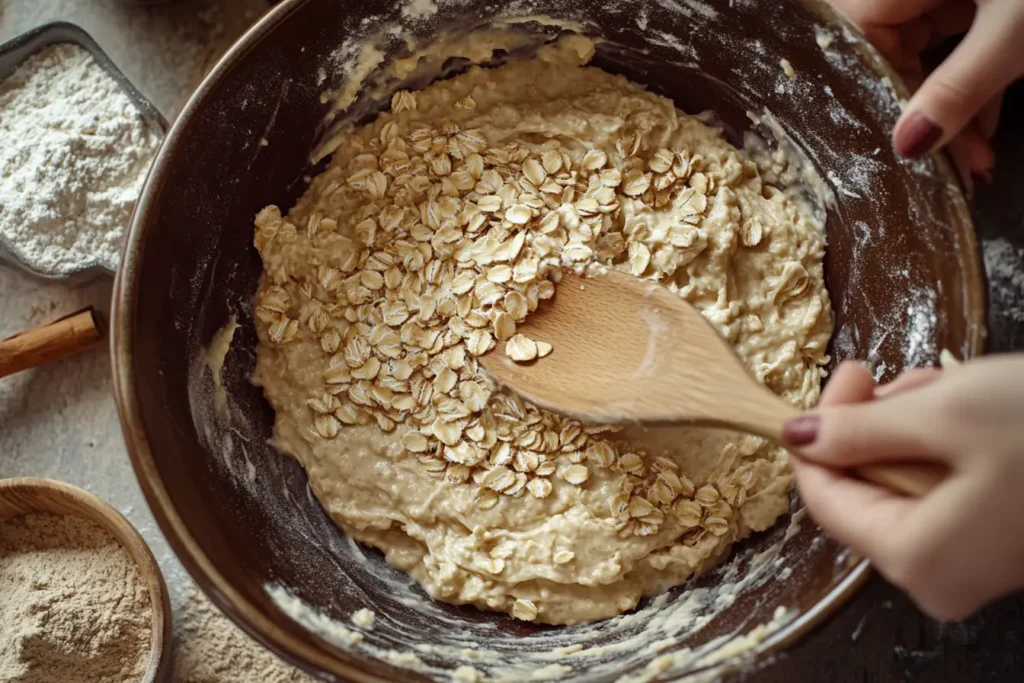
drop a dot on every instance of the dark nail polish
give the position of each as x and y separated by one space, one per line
982 177
801 431
917 135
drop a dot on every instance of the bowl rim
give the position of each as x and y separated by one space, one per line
102 513
215 585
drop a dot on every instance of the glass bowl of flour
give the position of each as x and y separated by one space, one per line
353 207
79 139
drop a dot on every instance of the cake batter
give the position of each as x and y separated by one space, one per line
440 226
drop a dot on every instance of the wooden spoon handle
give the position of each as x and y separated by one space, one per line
765 416
74 333
914 480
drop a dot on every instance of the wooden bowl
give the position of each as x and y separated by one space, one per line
902 267
25 495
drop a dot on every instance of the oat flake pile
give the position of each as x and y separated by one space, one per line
438 228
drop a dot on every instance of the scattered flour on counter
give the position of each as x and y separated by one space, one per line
1004 264
213 650
76 151
921 323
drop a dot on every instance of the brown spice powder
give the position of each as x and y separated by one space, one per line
73 604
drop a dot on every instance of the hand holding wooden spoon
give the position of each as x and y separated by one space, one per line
629 351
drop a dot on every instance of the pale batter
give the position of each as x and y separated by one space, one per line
436 229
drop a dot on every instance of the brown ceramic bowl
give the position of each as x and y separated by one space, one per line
902 267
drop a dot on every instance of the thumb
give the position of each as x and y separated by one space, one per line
912 379
988 59
897 429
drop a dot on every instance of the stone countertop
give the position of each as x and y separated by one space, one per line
60 421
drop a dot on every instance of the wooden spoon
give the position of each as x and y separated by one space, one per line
629 351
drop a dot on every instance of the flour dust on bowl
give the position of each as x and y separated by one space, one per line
242 515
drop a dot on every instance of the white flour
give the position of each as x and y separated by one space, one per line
74 154
1004 264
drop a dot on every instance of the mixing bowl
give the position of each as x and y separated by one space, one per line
902 267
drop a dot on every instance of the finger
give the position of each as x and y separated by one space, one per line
942 589
988 118
850 383
913 379
973 157
898 429
989 58
855 513
883 12
888 41
962 161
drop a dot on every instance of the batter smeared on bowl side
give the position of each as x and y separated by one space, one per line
435 230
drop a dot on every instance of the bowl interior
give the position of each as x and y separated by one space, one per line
901 266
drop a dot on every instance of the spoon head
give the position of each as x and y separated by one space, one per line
625 351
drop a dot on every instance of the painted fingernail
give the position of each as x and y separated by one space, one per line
917 135
982 177
801 431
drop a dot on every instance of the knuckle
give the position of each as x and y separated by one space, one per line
833 438
951 94
843 435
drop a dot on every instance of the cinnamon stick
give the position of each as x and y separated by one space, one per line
74 333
